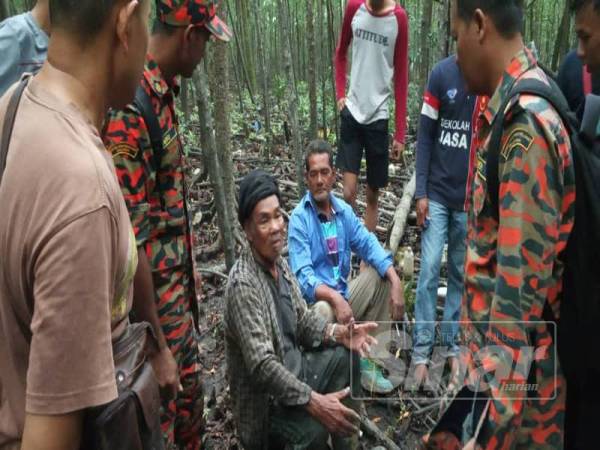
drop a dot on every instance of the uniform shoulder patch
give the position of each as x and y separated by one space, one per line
481 166
124 149
518 138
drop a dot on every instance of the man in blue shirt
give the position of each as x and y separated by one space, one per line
443 145
323 231
23 44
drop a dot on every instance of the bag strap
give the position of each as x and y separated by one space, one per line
7 129
587 81
9 122
143 103
538 88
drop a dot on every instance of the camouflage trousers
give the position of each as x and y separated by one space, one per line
182 418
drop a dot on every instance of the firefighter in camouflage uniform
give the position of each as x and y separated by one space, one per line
513 270
152 178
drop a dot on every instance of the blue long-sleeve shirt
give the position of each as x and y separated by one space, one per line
23 46
444 137
308 253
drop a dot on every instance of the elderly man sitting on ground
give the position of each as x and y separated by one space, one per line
288 369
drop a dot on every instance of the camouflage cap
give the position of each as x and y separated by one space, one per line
193 12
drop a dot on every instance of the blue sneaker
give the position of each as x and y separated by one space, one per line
371 378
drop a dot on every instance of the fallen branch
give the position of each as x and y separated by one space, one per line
373 430
401 214
218 271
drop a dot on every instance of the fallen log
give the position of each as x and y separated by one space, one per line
401 214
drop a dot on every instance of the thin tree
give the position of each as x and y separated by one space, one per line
562 40
292 97
425 43
219 77
264 77
312 76
209 152
4 9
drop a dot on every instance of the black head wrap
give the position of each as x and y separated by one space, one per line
255 186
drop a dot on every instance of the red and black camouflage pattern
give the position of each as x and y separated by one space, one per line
156 199
513 266
193 12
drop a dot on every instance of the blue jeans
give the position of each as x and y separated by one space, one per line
448 225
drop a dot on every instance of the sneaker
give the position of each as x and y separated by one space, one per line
371 378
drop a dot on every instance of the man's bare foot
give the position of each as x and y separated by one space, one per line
421 376
453 382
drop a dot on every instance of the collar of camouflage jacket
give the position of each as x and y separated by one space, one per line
523 61
157 82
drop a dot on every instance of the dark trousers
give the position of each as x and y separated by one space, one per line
326 371
582 413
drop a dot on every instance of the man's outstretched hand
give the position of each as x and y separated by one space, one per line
357 338
342 310
332 414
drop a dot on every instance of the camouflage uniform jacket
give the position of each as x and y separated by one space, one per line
512 266
155 196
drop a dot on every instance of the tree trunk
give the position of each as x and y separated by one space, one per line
562 40
332 43
292 98
4 9
312 76
219 73
264 76
209 146
322 66
446 38
220 90
186 99
425 43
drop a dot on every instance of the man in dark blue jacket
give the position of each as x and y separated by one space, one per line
576 82
442 167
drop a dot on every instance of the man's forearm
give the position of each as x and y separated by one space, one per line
327 294
392 276
57 432
144 304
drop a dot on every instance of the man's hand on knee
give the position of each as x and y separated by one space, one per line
342 310
332 414
396 294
